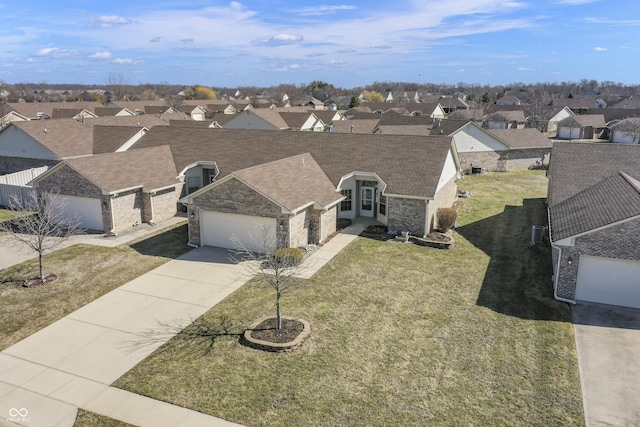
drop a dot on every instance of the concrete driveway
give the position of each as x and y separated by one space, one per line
72 363
608 345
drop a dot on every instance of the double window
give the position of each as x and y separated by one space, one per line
346 204
382 205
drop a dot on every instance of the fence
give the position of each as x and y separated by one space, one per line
15 185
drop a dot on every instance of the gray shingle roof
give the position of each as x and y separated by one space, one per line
577 166
611 200
409 165
293 182
359 126
153 168
522 138
107 139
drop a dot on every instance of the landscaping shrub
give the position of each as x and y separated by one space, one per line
446 218
288 256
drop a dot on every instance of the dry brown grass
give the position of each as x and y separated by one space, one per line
86 273
402 334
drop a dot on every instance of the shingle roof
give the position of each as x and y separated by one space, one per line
65 113
397 119
356 125
577 166
447 126
107 139
584 120
522 138
31 109
409 165
295 120
418 130
293 182
266 114
153 168
508 115
611 200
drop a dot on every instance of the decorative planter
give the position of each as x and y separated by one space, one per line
249 340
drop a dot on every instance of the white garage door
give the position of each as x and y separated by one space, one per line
87 210
257 234
608 281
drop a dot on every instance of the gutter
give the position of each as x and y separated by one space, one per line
556 274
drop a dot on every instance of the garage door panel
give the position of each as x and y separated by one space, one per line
608 281
88 211
257 234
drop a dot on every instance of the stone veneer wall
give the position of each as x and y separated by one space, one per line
299 228
127 210
406 214
443 199
16 164
509 160
164 204
327 223
620 241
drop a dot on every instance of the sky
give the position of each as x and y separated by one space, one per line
347 43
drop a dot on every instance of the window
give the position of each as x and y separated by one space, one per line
345 205
193 184
382 203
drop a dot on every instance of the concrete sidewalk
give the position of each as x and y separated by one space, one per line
13 252
72 363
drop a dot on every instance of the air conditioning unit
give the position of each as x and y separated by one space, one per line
537 234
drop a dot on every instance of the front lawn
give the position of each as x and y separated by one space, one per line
402 334
86 273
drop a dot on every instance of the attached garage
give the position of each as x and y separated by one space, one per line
226 230
608 281
87 210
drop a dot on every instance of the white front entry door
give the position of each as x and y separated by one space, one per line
367 195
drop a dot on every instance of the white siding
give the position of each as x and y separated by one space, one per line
448 171
16 143
471 139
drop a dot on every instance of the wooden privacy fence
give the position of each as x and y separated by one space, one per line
15 185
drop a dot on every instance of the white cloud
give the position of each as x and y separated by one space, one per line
101 55
109 21
315 55
600 49
156 39
286 38
126 61
321 10
346 51
526 69
186 40
56 52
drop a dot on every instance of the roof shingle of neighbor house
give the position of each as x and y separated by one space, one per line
522 138
107 139
152 168
409 165
293 182
613 199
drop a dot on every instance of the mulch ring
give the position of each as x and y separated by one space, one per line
266 331
36 281
377 232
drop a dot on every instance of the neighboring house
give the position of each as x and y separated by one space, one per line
113 112
434 111
577 105
594 222
355 126
12 116
37 143
512 119
316 104
563 113
626 131
257 118
508 100
400 181
115 192
45 110
303 121
500 149
286 203
72 113
581 126
472 114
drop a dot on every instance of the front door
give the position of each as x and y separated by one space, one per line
366 201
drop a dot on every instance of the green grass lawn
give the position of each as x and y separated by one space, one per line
86 273
402 334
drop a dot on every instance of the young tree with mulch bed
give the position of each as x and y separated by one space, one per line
41 224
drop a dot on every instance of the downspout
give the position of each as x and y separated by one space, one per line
557 268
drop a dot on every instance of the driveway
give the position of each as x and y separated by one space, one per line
608 346
72 363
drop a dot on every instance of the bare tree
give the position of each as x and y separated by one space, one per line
117 85
40 224
275 268
630 127
540 108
